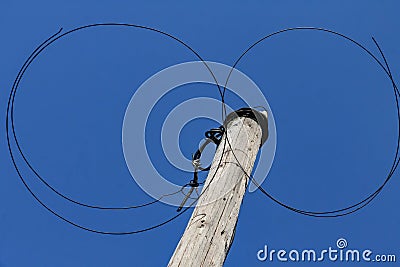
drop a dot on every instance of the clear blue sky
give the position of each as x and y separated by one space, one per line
334 112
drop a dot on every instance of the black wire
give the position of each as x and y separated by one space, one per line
19 77
222 93
213 135
10 112
396 160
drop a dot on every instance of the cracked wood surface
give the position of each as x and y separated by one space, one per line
211 228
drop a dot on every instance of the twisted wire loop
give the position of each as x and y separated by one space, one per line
215 136
212 136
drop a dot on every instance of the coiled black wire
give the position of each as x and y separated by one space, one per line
10 121
355 207
53 38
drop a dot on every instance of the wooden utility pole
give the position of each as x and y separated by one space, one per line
211 228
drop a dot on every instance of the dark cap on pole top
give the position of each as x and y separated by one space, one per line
257 116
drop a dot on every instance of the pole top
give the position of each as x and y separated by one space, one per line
261 117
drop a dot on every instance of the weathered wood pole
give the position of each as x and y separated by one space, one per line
211 228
